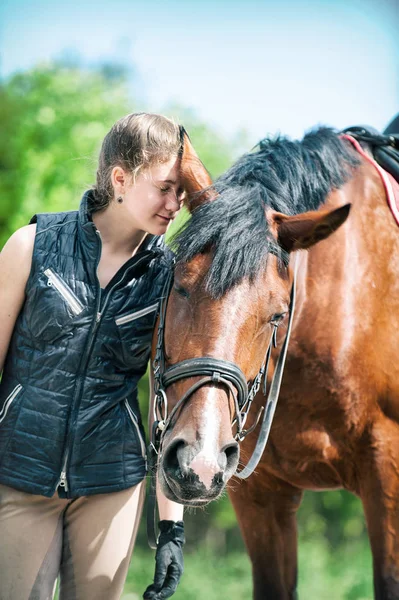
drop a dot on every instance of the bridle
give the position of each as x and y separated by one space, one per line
213 371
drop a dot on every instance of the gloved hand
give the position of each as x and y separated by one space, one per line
168 561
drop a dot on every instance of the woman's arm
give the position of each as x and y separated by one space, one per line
169 555
168 510
15 265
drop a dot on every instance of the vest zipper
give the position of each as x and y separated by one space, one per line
136 425
62 482
9 400
64 290
136 315
100 313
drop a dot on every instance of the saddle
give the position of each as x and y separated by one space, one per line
384 146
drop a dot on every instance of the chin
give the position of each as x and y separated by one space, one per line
158 229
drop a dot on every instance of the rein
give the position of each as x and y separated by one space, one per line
214 371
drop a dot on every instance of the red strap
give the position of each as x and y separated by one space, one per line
390 185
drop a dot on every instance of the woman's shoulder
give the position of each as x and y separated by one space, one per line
16 256
22 240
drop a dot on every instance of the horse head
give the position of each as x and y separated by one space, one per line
230 292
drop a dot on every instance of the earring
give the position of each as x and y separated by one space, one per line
120 199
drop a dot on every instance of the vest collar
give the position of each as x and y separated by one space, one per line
85 219
84 216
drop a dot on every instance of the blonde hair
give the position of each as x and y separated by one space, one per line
135 142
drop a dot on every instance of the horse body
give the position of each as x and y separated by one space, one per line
344 341
337 420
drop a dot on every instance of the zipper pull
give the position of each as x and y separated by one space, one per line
63 481
98 317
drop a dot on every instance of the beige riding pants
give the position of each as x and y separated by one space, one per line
88 542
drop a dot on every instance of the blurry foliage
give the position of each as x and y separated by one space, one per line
52 122
337 516
209 575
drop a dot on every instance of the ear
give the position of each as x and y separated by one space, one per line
195 177
118 179
304 230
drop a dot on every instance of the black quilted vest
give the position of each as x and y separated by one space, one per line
69 418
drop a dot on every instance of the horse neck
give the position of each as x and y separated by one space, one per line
341 280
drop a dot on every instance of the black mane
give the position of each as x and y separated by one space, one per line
285 175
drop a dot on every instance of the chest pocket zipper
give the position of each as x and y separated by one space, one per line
9 401
136 315
64 290
136 425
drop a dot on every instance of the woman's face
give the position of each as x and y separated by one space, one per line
155 197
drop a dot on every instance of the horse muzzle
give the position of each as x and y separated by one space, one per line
190 475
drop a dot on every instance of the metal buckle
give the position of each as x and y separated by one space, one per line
160 401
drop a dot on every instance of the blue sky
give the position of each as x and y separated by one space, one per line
262 66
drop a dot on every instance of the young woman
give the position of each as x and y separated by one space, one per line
78 297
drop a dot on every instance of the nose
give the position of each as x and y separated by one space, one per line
172 203
195 474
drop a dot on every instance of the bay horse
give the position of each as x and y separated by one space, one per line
337 420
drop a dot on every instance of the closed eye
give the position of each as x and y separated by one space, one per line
179 195
277 318
181 291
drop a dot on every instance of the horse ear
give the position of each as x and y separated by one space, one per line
306 229
195 177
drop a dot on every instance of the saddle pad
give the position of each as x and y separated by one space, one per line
390 184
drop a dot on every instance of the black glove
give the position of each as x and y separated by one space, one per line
168 561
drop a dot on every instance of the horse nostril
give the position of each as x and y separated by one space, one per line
228 458
171 461
219 478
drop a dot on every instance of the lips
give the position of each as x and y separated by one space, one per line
166 219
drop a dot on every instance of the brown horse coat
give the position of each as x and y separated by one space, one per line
337 420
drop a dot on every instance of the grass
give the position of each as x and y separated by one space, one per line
324 574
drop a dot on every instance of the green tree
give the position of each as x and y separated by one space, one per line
53 120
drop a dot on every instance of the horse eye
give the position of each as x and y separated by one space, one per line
277 318
181 291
